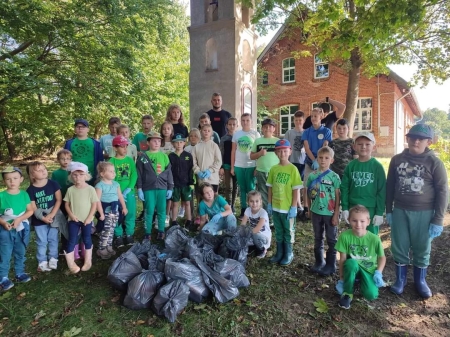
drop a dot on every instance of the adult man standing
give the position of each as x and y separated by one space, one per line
330 116
218 116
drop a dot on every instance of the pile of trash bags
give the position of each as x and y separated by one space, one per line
188 268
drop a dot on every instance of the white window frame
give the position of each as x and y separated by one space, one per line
319 62
359 121
289 69
289 117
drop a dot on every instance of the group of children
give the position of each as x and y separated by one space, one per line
170 168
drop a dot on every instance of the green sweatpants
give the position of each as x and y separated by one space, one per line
130 218
409 230
246 182
261 187
155 199
371 228
284 227
368 288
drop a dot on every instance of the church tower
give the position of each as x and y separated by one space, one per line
222 58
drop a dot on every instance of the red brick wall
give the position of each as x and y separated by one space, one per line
307 90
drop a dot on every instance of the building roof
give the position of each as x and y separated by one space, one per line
403 85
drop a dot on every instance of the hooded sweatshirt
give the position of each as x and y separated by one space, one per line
417 183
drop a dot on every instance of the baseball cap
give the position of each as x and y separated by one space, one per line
178 138
81 121
120 141
268 121
366 134
153 134
422 131
11 169
77 166
282 144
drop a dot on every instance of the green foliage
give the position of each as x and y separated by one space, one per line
65 59
321 306
439 121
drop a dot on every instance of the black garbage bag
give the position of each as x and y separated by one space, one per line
143 259
224 290
141 248
210 258
192 249
176 238
235 244
171 299
204 238
185 271
142 289
234 271
153 254
163 256
123 270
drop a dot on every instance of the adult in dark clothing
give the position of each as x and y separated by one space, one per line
218 116
330 116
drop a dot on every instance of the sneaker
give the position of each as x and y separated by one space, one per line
53 263
103 254
167 222
174 223
148 237
161 236
181 212
345 302
129 240
111 250
262 254
43 267
189 225
6 284
118 242
23 278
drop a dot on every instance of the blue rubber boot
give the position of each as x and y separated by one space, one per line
330 266
420 282
401 271
279 254
288 255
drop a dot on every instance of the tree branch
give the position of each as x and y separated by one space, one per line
16 51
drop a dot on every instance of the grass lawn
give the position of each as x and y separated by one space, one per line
286 301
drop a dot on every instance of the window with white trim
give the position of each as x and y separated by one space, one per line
289 70
363 116
287 118
320 68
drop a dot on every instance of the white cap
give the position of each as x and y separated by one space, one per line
365 134
76 166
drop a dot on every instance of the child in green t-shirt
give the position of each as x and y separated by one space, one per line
323 201
15 209
154 183
140 139
361 255
126 176
283 182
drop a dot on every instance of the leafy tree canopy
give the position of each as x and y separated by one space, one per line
439 120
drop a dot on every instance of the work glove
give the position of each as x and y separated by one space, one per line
292 212
315 165
168 194
141 195
377 220
125 192
200 175
389 219
378 279
206 174
435 230
345 216
216 218
269 209
340 287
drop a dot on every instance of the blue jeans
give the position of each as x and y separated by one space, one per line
13 243
227 222
46 235
74 228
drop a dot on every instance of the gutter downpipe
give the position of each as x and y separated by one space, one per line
396 111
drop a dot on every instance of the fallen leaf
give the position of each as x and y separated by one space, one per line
21 296
115 298
140 322
34 323
325 286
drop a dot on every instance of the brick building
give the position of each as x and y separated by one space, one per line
386 106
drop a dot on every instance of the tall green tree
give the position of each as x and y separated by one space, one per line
438 120
92 59
367 35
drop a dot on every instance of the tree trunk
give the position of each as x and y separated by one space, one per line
353 89
6 133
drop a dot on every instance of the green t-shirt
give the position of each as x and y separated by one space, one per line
126 174
159 160
140 140
265 163
283 179
217 206
364 183
62 178
13 204
81 200
323 194
83 152
365 250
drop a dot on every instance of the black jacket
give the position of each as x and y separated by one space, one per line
182 166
